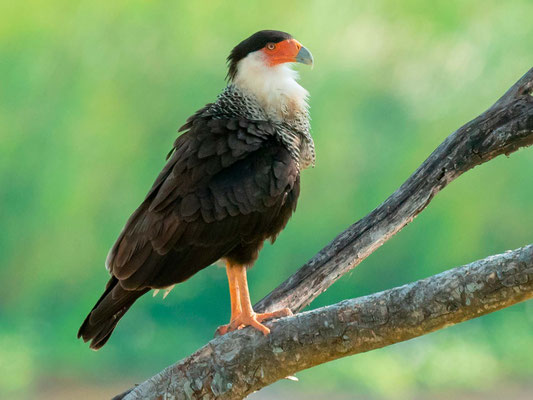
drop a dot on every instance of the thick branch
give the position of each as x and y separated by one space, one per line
502 129
239 363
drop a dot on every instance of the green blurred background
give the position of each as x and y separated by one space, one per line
91 95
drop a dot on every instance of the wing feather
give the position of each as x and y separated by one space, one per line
224 182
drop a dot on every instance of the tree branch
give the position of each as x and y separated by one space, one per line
502 129
234 365
241 362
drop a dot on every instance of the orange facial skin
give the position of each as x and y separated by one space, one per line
282 52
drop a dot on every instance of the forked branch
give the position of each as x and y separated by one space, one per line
236 364
502 129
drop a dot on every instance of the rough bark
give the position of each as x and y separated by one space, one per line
502 129
239 363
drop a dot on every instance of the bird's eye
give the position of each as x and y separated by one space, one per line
271 46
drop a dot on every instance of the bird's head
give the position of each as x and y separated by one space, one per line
269 49
261 64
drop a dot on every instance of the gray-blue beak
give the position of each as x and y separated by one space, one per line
304 56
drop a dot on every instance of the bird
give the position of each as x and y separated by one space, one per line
231 181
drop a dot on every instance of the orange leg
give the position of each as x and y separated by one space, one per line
234 291
242 313
236 308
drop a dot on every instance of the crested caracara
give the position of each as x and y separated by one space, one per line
231 181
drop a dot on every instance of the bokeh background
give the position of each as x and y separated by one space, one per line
91 95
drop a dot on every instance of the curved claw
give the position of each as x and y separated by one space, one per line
254 320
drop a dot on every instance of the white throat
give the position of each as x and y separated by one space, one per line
274 87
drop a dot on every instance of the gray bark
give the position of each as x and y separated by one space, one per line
241 362
502 129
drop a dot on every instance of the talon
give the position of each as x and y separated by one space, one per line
260 327
284 312
221 330
254 320
242 313
244 320
156 291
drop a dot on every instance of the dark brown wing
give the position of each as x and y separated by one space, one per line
227 184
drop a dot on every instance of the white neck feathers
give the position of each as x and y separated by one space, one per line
275 87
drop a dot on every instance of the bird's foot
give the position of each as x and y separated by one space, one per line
254 320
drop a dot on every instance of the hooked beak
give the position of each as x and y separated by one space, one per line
304 56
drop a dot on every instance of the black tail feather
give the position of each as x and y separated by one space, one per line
103 318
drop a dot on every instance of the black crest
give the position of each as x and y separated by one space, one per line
255 42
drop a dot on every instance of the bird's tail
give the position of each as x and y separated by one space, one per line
112 305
